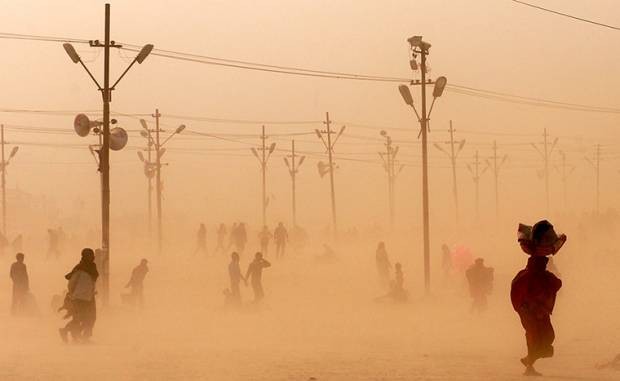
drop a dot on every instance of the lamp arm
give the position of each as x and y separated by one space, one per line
122 75
91 76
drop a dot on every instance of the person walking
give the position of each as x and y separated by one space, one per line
383 264
221 236
280 235
480 280
533 291
234 272
81 292
21 285
255 275
201 240
264 237
136 282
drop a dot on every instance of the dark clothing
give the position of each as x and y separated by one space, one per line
280 235
533 294
383 266
84 315
255 274
136 282
87 266
480 279
235 278
21 287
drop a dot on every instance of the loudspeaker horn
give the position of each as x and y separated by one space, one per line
82 125
118 139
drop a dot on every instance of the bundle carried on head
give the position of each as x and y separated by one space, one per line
540 239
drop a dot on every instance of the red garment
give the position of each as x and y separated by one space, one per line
533 295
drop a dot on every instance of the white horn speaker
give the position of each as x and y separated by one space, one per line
118 139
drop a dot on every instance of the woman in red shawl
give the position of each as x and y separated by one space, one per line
533 295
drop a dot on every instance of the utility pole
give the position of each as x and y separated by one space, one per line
149 172
545 153
158 184
329 145
389 164
104 155
496 166
564 172
293 168
104 151
474 169
421 47
154 169
596 164
453 154
263 158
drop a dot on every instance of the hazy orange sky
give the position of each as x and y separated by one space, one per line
494 45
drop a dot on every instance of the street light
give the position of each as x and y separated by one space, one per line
104 153
419 46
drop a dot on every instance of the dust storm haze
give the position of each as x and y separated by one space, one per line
525 130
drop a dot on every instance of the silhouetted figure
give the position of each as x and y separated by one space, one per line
234 271
21 285
136 282
383 264
480 280
201 240
221 236
280 235
241 238
264 237
397 291
533 294
53 249
255 275
81 292
234 232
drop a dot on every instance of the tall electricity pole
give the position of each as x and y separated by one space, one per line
262 159
104 151
4 164
293 168
496 164
545 153
596 164
158 184
389 164
474 169
421 47
453 154
565 171
150 167
329 145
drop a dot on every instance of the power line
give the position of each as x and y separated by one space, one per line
566 15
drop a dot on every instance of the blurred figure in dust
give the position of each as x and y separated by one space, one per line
221 236
241 237
234 231
264 237
201 240
397 291
480 279
280 235
255 275
383 264
234 271
446 260
136 282
21 285
81 292
53 249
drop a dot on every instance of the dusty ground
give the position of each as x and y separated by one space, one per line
318 321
